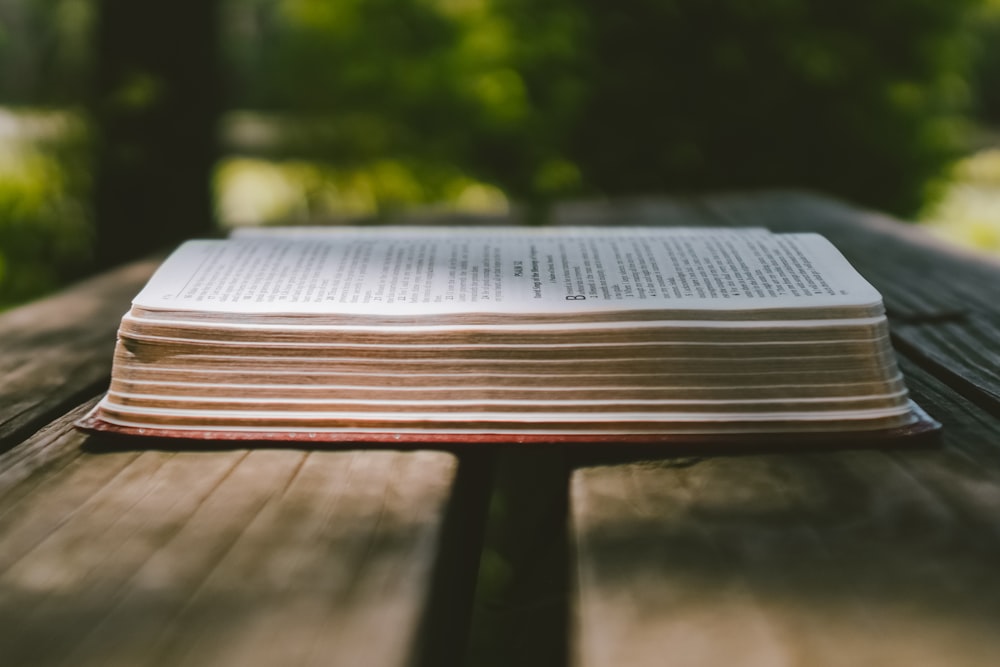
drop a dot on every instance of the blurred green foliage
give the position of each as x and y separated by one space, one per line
863 100
45 171
45 231
968 212
985 78
437 88
256 191
46 51
372 105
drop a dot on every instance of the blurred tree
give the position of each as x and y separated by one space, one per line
394 86
45 230
861 100
986 74
416 101
45 51
571 97
543 54
45 223
156 103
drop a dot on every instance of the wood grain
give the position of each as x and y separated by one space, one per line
863 557
259 556
57 351
228 557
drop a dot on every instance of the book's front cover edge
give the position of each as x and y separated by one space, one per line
923 429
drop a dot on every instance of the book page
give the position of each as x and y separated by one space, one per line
556 271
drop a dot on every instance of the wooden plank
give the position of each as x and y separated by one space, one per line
57 351
964 352
634 212
825 558
163 556
819 558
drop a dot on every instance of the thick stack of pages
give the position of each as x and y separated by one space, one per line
562 334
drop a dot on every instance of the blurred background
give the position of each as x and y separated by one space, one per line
126 126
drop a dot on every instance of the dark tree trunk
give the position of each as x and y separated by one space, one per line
156 104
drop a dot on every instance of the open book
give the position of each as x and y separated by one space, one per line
507 334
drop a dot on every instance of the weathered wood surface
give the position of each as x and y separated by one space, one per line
862 557
57 352
230 557
166 556
157 555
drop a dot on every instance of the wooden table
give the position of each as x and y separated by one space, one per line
168 555
165 555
